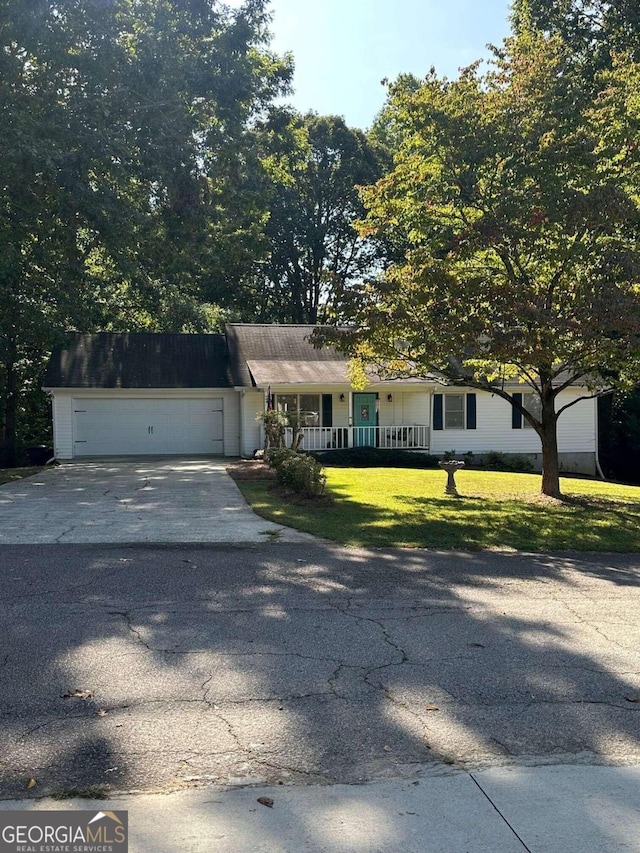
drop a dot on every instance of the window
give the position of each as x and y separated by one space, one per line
287 404
304 406
454 411
532 403
309 410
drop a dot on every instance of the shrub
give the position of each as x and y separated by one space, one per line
298 471
275 456
496 461
468 458
274 428
373 457
492 460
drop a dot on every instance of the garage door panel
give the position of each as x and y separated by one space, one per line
121 426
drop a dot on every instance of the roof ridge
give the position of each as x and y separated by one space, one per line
278 325
177 334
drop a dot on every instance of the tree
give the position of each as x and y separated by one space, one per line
315 254
519 203
595 30
130 182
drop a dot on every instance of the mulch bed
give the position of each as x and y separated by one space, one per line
251 469
257 470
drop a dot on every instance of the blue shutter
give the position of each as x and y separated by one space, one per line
471 411
437 411
327 410
516 416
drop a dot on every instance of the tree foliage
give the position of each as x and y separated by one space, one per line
518 201
315 254
596 31
130 183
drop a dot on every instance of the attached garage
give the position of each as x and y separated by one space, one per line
143 394
119 426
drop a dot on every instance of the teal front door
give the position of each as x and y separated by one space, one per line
364 420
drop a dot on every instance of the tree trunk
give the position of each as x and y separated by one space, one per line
8 434
549 438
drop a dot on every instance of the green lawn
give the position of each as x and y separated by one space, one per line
8 475
385 507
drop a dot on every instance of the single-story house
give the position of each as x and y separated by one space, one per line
117 394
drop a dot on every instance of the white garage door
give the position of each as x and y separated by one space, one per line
121 426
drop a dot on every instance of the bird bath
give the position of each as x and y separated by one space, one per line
451 467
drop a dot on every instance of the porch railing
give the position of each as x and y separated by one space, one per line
415 437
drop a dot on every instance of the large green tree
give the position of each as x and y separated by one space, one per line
130 182
315 254
596 32
517 200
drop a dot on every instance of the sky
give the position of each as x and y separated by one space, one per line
344 48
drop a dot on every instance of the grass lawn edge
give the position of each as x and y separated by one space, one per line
406 509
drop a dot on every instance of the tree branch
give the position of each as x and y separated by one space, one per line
583 397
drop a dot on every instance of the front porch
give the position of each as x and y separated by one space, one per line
414 437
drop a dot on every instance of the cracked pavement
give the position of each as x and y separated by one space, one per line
307 663
168 499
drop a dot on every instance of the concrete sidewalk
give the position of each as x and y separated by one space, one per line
574 809
133 501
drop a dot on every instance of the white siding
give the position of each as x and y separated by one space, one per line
415 408
576 428
62 409
252 403
340 408
407 408
231 423
242 433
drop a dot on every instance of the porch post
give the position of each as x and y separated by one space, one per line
350 421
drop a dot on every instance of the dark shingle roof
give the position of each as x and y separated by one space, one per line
280 347
249 356
261 355
140 360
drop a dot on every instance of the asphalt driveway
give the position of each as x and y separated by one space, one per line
144 500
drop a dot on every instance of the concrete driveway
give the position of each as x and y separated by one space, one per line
143 500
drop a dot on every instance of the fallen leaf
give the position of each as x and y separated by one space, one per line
477 645
102 712
77 694
431 708
31 783
632 698
266 801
